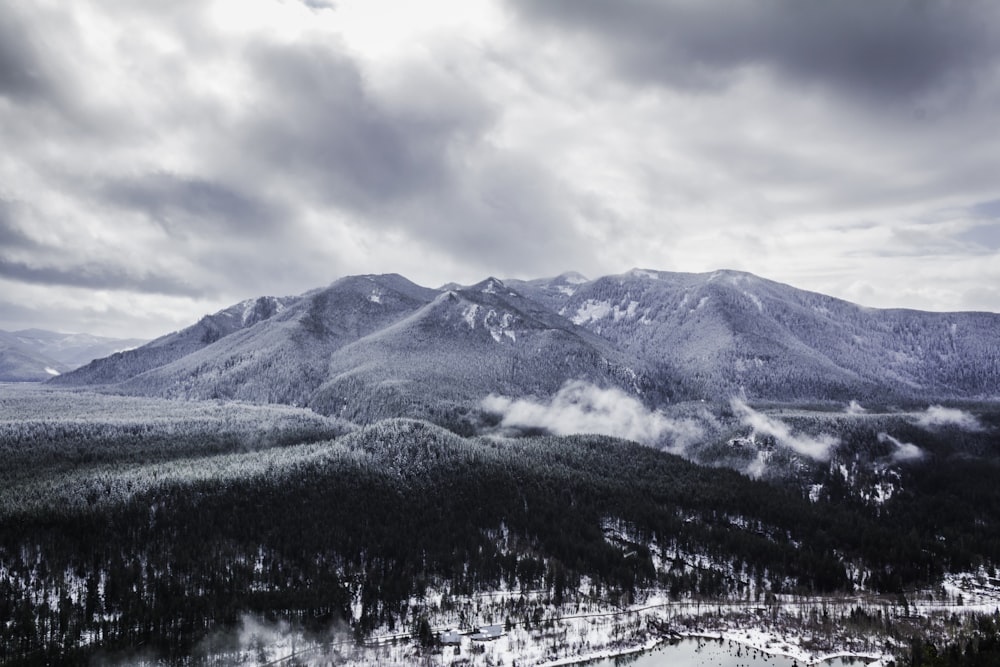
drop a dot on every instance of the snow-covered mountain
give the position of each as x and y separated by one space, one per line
36 354
727 332
375 346
466 344
209 329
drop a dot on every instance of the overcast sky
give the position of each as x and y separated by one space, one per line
162 160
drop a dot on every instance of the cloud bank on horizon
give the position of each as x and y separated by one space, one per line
166 160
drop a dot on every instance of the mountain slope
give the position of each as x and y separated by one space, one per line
281 358
728 331
467 344
370 347
122 366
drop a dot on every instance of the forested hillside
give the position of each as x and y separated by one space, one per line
730 331
132 522
125 365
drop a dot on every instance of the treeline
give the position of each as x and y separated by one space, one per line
981 649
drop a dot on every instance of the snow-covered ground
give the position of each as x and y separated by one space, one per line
809 631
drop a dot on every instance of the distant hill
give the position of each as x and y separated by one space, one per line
32 355
376 346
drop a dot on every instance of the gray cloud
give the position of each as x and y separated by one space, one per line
412 160
97 276
987 209
882 50
193 205
318 123
985 236
23 74
11 234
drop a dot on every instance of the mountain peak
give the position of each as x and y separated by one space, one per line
572 278
490 286
732 276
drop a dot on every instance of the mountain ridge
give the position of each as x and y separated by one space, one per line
377 346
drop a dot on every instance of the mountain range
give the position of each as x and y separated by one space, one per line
33 355
375 346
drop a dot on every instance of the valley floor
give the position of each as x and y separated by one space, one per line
808 630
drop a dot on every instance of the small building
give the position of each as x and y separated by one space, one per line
451 638
488 633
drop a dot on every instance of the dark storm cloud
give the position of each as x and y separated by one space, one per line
412 159
96 276
882 50
22 74
317 123
192 205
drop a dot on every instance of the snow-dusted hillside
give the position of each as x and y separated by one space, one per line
125 365
466 344
381 346
727 332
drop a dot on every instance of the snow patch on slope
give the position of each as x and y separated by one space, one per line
500 325
469 315
755 299
591 311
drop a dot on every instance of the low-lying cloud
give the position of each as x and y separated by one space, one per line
855 408
937 415
580 407
905 451
815 447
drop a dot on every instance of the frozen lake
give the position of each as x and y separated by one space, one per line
712 653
